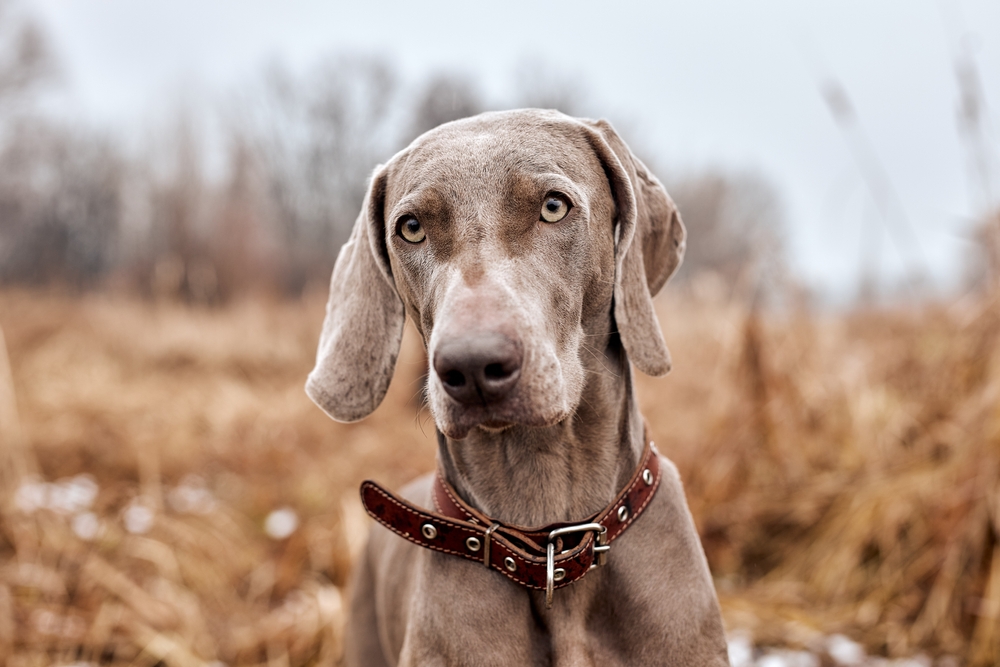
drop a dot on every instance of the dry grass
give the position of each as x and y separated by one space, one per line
842 470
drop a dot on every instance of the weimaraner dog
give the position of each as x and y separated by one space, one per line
526 247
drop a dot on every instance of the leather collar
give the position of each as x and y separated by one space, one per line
543 558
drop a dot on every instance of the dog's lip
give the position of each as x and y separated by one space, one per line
495 425
457 424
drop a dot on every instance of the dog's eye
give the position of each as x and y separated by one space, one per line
554 209
411 230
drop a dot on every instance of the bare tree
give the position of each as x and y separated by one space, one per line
174 258
537 86
444 98
246 254
301 148
318 137
736 227
59 187
25 57
59 205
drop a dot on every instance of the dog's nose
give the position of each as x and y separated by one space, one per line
478 368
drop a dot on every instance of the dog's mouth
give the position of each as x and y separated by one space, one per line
456 421
495 426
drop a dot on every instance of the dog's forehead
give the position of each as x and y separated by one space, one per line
477 156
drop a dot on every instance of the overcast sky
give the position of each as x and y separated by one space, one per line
699 83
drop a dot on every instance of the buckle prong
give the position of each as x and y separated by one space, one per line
602 548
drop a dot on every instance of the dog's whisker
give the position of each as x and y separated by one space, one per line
600 359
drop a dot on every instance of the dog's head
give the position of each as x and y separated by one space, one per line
511 239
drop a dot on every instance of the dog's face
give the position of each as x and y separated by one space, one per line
507 238
519 258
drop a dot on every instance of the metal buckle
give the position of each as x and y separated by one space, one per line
601 547
487 543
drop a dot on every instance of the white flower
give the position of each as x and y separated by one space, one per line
784 658
86 526
68 496
844 650
138 516
281 523
191 496
31 495
740 650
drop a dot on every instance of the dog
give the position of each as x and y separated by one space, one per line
525 246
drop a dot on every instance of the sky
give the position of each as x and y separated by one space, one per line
712 83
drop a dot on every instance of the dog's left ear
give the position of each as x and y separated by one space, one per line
649 248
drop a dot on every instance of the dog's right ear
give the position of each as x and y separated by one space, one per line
364 319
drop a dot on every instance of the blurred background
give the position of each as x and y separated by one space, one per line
177 177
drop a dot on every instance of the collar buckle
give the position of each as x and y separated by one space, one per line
601 548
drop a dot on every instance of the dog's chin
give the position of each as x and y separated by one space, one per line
457 422
495 426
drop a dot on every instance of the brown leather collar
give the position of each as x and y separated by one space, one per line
543 558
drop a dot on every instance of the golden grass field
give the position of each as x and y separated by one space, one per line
842 469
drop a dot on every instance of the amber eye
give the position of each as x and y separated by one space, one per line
554 209
411 230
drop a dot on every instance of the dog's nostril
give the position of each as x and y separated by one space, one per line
495 371
454 379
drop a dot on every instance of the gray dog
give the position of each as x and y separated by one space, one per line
526 247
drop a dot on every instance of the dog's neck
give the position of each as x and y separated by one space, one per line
531 476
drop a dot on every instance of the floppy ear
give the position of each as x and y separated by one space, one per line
364 320
649 248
